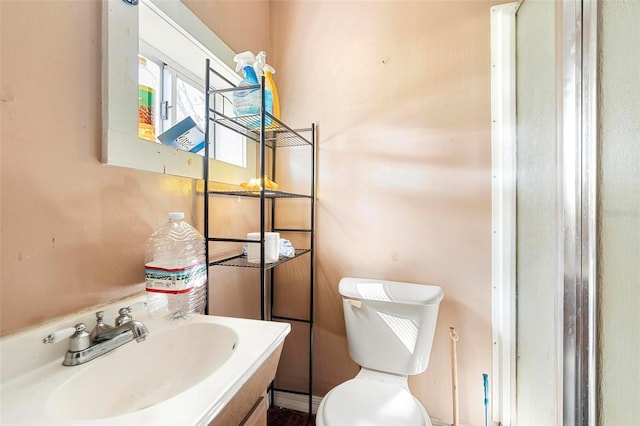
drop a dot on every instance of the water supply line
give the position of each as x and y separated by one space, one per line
454 375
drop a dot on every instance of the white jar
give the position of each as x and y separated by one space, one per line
271 247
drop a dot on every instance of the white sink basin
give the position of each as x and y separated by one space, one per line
182 357
184 373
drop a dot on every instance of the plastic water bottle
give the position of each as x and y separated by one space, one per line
175 270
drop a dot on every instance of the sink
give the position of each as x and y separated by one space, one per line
127 381
184 373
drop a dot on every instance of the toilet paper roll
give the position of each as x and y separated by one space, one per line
271 247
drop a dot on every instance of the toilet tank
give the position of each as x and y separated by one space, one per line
390 324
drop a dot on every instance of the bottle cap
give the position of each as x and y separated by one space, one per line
176 216
244 59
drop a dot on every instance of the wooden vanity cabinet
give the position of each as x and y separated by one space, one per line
249 405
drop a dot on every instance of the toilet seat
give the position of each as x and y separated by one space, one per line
359 402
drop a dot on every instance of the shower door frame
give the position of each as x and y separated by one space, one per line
577 133
576 25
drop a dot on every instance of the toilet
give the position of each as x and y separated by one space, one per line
390 327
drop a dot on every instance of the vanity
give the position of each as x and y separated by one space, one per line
206 370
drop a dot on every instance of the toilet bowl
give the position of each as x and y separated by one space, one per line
390 327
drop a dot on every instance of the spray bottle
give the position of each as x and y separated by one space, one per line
246 102
261 58
271 87
269 97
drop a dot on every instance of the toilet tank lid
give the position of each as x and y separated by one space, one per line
390 291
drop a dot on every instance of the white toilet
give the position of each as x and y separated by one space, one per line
390 327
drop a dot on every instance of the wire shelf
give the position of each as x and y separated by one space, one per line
267 132
240 261
256 194
277 134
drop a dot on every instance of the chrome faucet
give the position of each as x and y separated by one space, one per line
84 346
103 332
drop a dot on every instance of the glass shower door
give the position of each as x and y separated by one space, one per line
537 213
619 213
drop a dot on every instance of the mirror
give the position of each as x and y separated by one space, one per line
121 145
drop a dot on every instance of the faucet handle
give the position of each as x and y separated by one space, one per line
78 337
124 316
56 336
80 340
125 313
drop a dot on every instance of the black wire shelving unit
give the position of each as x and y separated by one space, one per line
274 135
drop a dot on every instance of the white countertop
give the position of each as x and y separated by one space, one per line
31 371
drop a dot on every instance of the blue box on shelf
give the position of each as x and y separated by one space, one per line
186 135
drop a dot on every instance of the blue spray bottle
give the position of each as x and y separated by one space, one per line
248 101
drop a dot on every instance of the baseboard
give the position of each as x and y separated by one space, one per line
294 401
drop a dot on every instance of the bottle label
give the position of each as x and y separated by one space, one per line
246 102
174 280
145 104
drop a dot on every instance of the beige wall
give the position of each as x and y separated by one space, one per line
241 24
73 229
400 91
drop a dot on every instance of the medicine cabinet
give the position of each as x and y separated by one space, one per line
120 38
